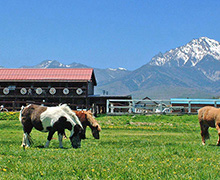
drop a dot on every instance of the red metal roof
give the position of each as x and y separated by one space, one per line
68 74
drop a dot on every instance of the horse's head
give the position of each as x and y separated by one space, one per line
95 132
75 138
95 127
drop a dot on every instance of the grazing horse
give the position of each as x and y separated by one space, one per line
87 119
209 117
50 119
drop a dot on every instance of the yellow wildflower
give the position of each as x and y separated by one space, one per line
198 159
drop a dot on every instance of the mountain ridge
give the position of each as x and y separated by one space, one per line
191 70
189 54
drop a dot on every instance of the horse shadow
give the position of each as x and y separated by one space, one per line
42 147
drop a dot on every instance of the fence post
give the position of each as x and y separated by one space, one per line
130 109
107 106
189 107
215 104
160 106
111 107
133 105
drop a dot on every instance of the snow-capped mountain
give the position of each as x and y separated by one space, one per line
190 54
102 75
55 64
192 70
202 53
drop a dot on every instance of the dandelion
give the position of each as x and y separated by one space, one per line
93 170
198 159
130 160
4 169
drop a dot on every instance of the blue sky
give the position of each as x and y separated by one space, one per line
101 33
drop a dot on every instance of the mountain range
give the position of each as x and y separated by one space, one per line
191 70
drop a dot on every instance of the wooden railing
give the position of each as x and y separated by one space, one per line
136 106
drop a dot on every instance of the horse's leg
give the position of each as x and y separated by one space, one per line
60 137
204 131
64 135
218 129
25 141
49 137
27 127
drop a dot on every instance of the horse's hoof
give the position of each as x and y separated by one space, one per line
203 143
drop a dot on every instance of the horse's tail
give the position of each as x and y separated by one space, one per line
204 129
207 135
67 109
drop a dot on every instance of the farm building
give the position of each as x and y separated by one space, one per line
46 86
192 105
50 87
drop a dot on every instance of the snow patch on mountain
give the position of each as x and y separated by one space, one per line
120 69
45 64
111 69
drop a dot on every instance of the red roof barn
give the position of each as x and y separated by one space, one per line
46 86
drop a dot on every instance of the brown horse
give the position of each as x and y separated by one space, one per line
87 119
209 117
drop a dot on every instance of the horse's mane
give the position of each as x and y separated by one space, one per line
22 108
92 120
67 109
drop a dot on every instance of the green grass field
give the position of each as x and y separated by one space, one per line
131 147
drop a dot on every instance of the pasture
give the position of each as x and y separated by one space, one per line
130 147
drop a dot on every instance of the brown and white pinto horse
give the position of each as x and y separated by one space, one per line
87 119
50 119
209 117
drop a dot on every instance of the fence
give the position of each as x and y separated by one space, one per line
173 106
